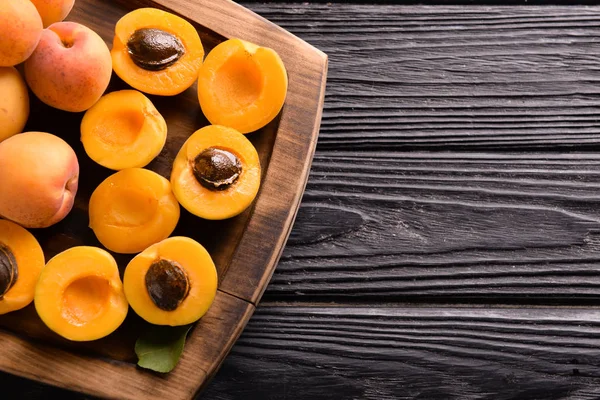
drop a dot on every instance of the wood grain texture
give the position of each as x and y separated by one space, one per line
512 226
245 248
383 353
214 334
484 226
414 353
446 77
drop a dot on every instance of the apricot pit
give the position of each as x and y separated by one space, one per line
8 269
167 284
173 282
216 174
154 49
217 169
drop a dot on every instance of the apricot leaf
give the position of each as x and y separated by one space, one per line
160 347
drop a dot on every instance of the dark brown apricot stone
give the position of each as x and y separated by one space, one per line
167 284
216 169
154 49
8 269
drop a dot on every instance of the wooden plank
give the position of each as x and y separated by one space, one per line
450 77
207 344
481 226
414 353
371 352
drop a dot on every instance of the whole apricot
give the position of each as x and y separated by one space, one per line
71 67
20 31
53 11
39 174
14 104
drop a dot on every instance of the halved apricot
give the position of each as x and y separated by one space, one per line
156 52
216 174
21 260
133 209
80 295
123 130
242 85
173 282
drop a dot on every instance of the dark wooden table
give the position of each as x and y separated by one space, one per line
448 245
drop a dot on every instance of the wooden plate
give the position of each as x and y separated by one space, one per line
245 248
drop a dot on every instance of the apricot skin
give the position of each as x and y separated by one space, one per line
133 209
21 29
30 261
53 11
39 175
14 103
71 67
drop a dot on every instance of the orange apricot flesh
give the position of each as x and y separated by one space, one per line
242 85
79 294
133 209
123 130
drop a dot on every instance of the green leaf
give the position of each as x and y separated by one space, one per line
160 347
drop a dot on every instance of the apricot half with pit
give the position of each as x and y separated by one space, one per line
79 294
216 174
173 282
242 85
156 52
21 260
123 130
133 209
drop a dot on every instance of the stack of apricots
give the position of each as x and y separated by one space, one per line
171 280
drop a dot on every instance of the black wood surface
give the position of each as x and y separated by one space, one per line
460 226
448 245
414 353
